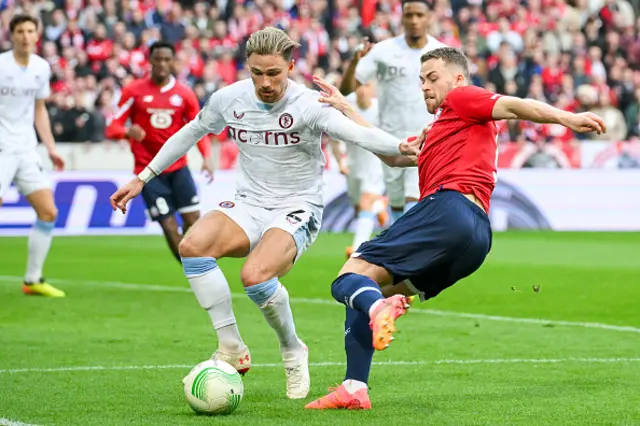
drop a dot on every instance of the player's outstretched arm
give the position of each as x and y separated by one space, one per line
509 108
344 123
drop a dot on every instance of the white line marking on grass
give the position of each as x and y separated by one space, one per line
318 301
7 422
333 364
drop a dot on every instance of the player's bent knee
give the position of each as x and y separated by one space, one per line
48 215
189 248
253 274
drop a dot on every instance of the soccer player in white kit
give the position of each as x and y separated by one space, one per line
276 213
363 170
24 86
395 64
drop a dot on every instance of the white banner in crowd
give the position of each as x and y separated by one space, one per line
560 200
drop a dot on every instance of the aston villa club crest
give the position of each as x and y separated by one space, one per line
227 204
238 116
286 120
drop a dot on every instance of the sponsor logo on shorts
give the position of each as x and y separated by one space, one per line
227 204
293 219
286 120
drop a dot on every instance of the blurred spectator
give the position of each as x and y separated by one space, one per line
579 55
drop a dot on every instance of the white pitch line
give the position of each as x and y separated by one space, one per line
318 301
333 364
7 422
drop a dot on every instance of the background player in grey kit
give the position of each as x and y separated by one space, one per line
24 87
395 64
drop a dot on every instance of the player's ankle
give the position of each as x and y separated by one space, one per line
375 306
353 386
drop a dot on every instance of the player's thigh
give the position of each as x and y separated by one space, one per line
43 203
184 192
8 169
394 184
411 184
371 189
188 219
353 189
379 274
273 257
216 235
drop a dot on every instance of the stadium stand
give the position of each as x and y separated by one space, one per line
580 55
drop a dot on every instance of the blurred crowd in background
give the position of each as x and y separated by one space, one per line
581 55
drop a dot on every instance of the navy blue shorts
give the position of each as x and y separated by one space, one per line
169 193
442 239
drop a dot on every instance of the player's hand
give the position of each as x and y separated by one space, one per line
586 122
121 197
331 95
413 145
207 169
136 132
362 49
57 160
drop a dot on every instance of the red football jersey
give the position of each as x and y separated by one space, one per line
161 112
461 149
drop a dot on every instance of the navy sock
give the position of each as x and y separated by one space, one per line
358 345
356 291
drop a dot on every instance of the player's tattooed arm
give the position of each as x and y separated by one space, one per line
510 107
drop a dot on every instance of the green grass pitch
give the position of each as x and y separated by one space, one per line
489 351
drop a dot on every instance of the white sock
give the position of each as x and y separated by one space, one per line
213 294
364 228
374 306
378 206
277 312
39 244
354 386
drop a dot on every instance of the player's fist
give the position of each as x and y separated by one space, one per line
412 145
586 122
121 197
56 159
136 132
207 169
343 167
362 49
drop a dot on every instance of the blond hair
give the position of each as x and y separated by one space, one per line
271 41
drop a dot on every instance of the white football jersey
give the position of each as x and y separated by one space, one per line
280 160
359 159
396 66
19 89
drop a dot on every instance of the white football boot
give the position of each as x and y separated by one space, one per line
296 367
241 361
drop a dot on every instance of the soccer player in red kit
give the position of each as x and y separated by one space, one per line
157 107
447 235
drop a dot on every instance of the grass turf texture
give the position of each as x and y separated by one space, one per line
158 323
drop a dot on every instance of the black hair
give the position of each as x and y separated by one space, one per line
21 19
162 45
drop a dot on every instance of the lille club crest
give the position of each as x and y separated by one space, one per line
286 120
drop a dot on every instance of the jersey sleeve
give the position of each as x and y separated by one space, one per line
116 127
367 66
208 120
473 104
191 110
45 89
326 119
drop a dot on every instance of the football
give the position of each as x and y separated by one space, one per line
213 387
